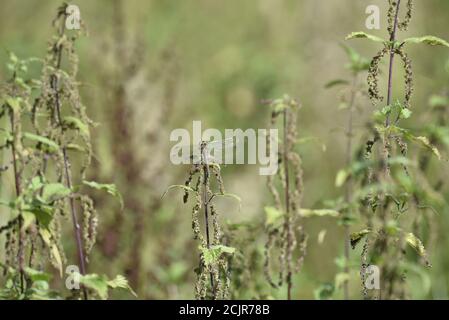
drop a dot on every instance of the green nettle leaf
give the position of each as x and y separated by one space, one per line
36 275
386 110
101 284
337 82
273 216
416 244
97 283
307 213
28 219
430 40
406 113
43 213
36 183
121 282
378 117
54 191
426 143
22 83
423 141
109 188
53 146
13 103
412 240
212 254
357 236
12 57
75 123
47 238
363 35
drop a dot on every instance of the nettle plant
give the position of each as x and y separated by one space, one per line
46 127
394 195
350 98
284 220
283 224
205 184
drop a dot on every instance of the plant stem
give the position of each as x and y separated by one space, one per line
206 208
17 183
76 226
348 189
287 203
390 71
386 137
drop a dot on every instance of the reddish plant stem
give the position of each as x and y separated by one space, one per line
390 70
17 183
74 215
385 152
287 203
76 226
206 208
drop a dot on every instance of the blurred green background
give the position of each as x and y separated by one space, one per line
148 67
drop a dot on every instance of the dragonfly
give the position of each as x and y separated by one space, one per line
205 152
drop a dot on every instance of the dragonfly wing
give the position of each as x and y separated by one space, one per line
217 149
222 144
211 148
